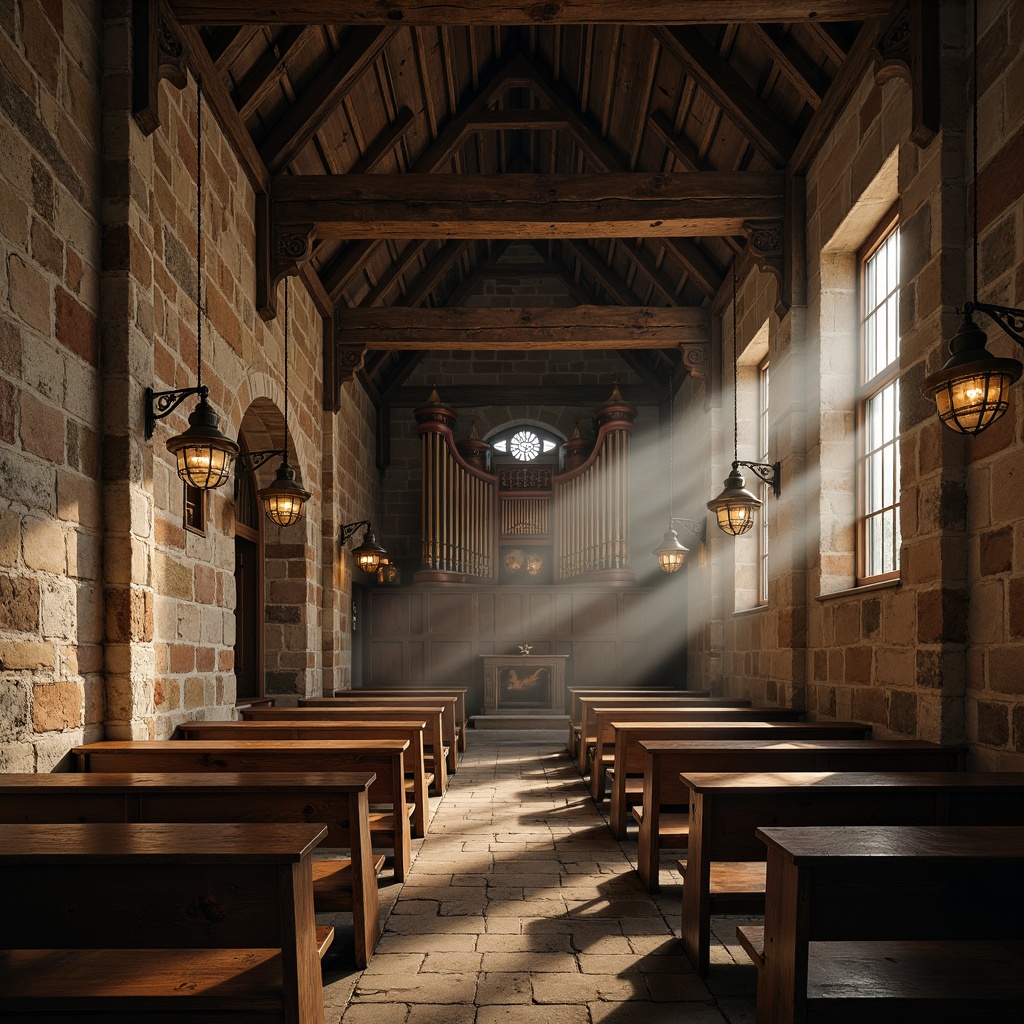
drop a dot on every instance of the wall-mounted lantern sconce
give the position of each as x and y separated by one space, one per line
282 500
971 390
735 506
205 457
671 554
369 554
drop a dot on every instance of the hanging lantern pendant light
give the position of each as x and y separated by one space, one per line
284 499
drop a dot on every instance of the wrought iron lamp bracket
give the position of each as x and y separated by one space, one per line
768 472
162 403
698 527
249 462
349 529
1011 320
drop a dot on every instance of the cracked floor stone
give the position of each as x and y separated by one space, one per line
521 907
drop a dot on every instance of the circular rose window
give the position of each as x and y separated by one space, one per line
525 445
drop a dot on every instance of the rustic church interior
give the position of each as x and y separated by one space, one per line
511 511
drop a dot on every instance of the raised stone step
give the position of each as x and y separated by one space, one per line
521 720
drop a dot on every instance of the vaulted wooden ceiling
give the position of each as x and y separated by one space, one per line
636 149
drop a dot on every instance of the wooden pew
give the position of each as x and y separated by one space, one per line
446 705
613 693
724 869
602 757
416 781
891 924
588 705
628 756
384 758
442 690
432 734
150 922
338 800
664 760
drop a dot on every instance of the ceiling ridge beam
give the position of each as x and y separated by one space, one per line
304 118
738 101
524 12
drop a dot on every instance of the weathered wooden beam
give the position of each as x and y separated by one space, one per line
384 143
518 120
740 104
527 205
523 12
839 93
270 69
471 396
801 71
304 118
499 329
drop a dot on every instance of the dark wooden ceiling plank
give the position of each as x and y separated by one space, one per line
500 329
601 272
688 253
390 277
792 62
359 49
254 88
420 289
343 271
751 114
384 143
523 12
678 145
230 48
469 396
834 50
645 263
611 205
840 91
479 273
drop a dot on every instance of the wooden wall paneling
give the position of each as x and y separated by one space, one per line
485 617
540 614
594 612
416 614
389 614
386 661
510 613
452 614
415 662
452 661
596 662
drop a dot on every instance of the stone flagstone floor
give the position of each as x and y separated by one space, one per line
521 907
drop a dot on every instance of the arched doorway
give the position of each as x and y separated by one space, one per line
249 587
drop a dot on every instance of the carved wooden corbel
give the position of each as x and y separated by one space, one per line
348 360
764 244
909 49
281 249
157 53
696 357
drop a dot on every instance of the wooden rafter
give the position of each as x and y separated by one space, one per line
270 69
526 205
601 272
751 114
523 12
420 289
305 117
791 60
499 329
390 277
471 396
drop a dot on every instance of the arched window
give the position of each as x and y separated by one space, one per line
526 443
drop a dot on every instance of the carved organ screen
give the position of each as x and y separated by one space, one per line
522 523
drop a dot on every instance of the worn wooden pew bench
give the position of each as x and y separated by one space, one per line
575 693
664 760
588 706
432 735
160 922
338 800
891 924
458 692
724 869
390 812
627 757
416 775
604 752
445 704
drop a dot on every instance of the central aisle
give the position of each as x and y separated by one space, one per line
521 907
